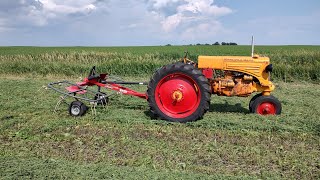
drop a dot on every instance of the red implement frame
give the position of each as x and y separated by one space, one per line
98 81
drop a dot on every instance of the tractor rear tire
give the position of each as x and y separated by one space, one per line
179 93
266 105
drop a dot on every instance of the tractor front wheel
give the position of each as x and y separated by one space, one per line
252 100
179 93
266 105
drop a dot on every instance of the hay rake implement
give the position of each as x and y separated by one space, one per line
181 92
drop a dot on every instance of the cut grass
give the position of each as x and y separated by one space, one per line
36 168
122 140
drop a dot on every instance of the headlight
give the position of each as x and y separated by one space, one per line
269 68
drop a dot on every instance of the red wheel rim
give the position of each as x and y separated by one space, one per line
266 108
177 95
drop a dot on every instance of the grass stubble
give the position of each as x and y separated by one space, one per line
123 142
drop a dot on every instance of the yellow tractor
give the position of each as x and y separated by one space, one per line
181 92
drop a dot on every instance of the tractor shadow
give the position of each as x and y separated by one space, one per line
228 108
215 107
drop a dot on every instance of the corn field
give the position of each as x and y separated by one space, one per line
291 63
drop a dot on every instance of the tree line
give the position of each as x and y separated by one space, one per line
214 44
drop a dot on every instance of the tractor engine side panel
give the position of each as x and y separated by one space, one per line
230 85
254 66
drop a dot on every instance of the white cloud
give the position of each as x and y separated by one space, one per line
204 31
148 22
39 12
158 4
187 12
111 20
205 7
170 23
65 7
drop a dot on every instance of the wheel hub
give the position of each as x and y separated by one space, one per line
177 96
266 108
75 110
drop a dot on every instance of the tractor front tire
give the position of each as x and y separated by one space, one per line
179 93
266 105
252 100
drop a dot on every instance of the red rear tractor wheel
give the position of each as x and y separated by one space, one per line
266 105
179 93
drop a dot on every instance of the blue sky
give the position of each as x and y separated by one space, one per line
157 22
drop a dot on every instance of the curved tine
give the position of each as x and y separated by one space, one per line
59 103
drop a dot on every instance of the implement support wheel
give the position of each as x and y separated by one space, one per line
179 93
77 108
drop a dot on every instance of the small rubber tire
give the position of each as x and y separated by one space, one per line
102 100
77 108
252 100
266 105
196 92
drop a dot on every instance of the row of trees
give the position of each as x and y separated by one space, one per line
225 43
218 44
215 44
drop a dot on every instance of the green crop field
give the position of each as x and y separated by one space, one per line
291 62
122 141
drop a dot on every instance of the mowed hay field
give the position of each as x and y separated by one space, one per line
123 142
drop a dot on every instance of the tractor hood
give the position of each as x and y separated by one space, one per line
255 66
